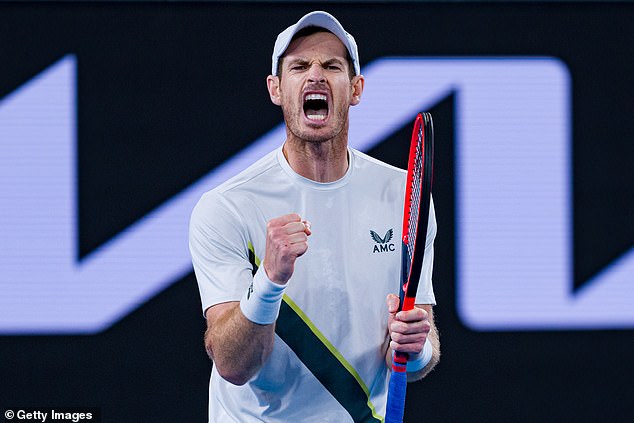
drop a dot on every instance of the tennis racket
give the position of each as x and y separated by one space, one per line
415 218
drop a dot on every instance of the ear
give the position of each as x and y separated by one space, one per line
273 85
357 89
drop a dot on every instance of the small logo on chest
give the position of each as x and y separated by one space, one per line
383 245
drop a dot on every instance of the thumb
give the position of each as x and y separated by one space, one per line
392 303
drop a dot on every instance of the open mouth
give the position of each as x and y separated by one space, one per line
316 106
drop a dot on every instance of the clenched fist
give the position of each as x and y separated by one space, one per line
408 329
286 240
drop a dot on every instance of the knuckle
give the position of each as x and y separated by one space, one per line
294 217
271 233
397 337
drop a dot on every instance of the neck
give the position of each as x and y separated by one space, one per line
325 161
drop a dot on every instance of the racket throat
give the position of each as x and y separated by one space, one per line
406 265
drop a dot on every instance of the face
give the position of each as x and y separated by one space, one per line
315 90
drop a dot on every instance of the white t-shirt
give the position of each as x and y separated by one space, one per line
332 329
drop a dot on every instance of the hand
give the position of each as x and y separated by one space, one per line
286 240
408 330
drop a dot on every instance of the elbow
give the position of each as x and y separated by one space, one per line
234 377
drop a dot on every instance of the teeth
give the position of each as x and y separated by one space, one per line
316 117
316 97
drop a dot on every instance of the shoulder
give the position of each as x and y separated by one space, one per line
222 203
252 174
373 172
365 161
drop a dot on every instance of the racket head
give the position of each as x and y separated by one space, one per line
416 207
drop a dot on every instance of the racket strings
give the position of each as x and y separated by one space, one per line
415 197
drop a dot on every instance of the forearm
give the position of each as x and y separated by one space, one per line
237 346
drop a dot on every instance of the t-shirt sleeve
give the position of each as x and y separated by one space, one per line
219 248
425 293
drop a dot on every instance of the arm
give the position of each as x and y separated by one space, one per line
409 331
237 345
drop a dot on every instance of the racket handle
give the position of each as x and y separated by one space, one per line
408 303
397 389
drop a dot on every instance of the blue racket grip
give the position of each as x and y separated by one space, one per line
396 394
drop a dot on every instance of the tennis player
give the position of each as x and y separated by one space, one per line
298 257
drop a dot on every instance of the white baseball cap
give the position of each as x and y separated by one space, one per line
322 20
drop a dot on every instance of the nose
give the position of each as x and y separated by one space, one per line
316 73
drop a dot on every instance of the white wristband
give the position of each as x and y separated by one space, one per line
420 360
261 302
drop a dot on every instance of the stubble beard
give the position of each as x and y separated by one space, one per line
294 125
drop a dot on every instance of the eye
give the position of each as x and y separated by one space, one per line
297 67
